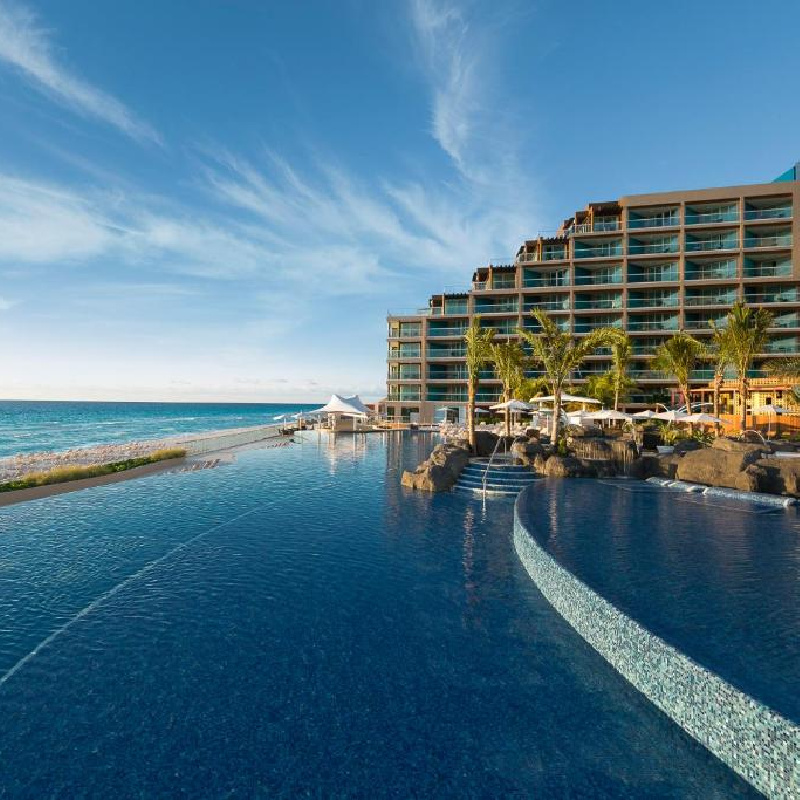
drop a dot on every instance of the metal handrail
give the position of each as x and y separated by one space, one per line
485 479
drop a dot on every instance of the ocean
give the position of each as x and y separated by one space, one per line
33 426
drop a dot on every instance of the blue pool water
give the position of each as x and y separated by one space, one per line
30 426
717 579
297 624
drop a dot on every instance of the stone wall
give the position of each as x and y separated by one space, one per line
757 743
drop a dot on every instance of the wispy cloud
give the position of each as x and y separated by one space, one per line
26 46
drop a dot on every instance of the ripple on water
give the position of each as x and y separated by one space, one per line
344 638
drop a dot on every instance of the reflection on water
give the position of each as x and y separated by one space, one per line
299 624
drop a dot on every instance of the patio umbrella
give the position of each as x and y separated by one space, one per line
672 416
512 405
646 414
702 419
610 414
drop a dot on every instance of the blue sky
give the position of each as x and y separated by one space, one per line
210 200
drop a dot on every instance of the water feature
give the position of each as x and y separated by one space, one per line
297 623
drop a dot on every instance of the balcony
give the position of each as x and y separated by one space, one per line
786 320
768 268
660 245
698 321
455 307
756 295
711 270
450 330
504 281
711 214
645 374
646 345
597 277
753 240
655 273
711 298
758 210
595 250
655 299
407 372
654 322
501 327
398 355
505 306
446 396
446 352
703 244
532 326
404 394
599 301
559 302
448 373
786 345
588 324
655 218
536 279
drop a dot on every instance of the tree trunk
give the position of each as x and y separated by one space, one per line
717 386
471 413
508 422
743 401
616 392
556 417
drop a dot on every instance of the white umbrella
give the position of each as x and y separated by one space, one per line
566 398
646 414
579 417
512 405
610 414
770 409
481 411
702 419
671 416
284 417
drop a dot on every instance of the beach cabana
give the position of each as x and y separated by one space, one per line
344 413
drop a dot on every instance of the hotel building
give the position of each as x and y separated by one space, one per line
650 264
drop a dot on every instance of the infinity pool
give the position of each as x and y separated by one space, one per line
718 579
297 624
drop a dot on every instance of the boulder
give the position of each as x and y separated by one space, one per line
540 464
484 443
563 467
780 476
526 451
664 466
718 466
686 446
751 479
439 472
728 445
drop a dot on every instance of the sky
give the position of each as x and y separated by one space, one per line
220 200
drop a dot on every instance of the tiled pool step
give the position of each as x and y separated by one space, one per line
502 479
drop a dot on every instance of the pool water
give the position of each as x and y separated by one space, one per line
719 579
296 623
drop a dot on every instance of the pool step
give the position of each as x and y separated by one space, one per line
503 479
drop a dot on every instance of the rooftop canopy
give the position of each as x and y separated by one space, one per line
343 405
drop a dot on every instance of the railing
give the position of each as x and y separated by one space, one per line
704 245
778 212
394 355
775 271
598 279
479 285
511 284
711 217
786 321
454 353
434 332
547 305
436 397
404 398
770 298
781 346
653 302
489 464
780 240
701 323
598 252
498 308
452 375
711 275
667 221
545 283
660 248
653 324
598 305
710 300
404 376
662 276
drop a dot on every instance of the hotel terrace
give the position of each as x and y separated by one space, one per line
650 264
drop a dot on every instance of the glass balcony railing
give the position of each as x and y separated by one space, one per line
404 374
504 282
661 220
711 299
509 307
711 243
598 277
649 374
609 250
599 303
479 286
771 297
409 395
487 397
654 301
445 352
699 321
637 247
558 254
547 304
456 331
782 346
653 323
447 397
397 355
653 275
711 217
455 308
786 320
777 240
545 281
587 325
448 375
714 271
701 375
768 269
532 326
776 212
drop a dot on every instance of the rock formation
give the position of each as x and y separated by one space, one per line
440 471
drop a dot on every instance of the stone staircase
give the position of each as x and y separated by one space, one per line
504 478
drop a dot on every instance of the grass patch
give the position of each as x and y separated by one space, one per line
67 474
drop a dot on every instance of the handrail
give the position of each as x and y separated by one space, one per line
757 433
485 479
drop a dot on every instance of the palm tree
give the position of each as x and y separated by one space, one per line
679 356
621 353
560 354
479 341
720 353
509 359
748 329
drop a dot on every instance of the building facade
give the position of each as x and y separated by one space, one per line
650 264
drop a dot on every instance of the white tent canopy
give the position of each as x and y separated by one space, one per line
512 405
610 414
566 398
702 419
343 405
672 416
646 414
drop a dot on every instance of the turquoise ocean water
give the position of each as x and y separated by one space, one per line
32 426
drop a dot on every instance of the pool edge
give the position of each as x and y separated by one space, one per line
753 740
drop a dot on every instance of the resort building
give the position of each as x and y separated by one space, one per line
650 264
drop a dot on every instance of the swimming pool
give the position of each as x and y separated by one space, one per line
297 623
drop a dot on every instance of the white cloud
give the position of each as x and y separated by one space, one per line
5 304
26 46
